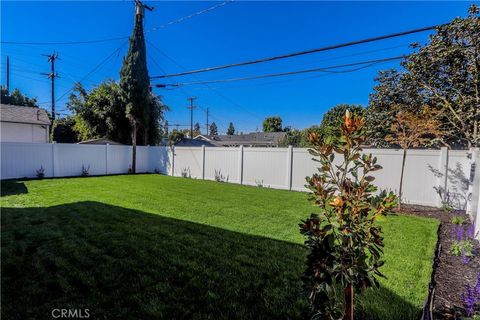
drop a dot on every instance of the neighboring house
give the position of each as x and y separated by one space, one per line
99 141
23 124
187 142
254 139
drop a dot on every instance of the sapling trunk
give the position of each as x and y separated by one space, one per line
348 295
401 179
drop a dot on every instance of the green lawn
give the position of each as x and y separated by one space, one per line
157 247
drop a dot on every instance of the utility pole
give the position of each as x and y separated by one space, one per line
8 75
191 107
52 75
207 123
140 10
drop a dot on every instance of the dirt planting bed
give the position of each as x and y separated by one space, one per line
451 274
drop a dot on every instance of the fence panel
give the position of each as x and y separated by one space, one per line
420 183
225 161
188 160
69 159
119 159
457 178
142 159
159 160
265 166
22 160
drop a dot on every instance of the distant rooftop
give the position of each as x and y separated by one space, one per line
21 114
99 141
248 139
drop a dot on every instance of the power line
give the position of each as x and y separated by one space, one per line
215 91
189 16
299 53
117 51
368 63
179 20
184 92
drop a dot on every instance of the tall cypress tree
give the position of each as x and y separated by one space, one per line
135 82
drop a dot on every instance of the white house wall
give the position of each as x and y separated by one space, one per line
21 132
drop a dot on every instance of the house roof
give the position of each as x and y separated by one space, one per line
253 138
99 141
21 114
195 143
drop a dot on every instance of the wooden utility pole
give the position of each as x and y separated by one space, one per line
139 13
8 75
52 75
191 107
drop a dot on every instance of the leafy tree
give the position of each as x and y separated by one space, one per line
330 126
17 98
63 130
134 84
345 243
299 138
100 113
411 130
272 124
231 129
292 138
196 129
445 75
175 137
392 89
213 129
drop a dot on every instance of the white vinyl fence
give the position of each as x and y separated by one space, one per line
22 160
431 177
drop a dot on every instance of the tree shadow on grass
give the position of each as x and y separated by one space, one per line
126 264
12 187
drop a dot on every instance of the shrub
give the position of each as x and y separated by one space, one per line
186 173
219 177
458 220
345 243
85 171
41 173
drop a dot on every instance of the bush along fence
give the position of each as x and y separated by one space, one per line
440 178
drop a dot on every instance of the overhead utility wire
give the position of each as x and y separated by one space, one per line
190 16
299 53
179 20
103 62
281 74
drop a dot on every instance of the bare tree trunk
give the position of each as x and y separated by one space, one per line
145 137
401 178
348 295
134 146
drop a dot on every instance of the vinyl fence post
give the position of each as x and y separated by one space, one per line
172 168
442 177
54 156
240 165
473 193
289 167
106 159
203 162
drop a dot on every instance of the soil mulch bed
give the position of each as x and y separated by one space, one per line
450 273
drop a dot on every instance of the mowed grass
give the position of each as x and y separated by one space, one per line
157 247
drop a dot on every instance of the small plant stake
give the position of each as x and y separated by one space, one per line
345 243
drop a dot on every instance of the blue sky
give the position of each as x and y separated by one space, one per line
237 31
